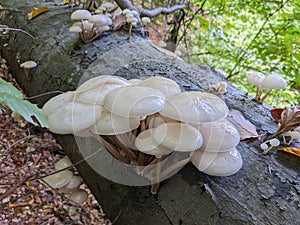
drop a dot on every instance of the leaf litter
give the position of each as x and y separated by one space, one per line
26 153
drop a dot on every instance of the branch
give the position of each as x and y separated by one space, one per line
126 4
161 10
241 57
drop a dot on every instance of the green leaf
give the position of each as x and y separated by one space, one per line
12 97
6 87
24 108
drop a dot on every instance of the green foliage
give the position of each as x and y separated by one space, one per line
12 97
240 37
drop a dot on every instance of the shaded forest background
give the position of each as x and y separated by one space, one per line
238 37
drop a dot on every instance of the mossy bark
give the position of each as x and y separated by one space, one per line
255 195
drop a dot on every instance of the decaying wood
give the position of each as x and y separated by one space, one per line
255 195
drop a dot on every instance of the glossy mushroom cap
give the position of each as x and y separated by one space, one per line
219 136
111 124
63 163
81 14
144 142
194 107
28 64
179 137
217 164
73 118
255 78
134 101
60 179
273 81
57 102
78 196
164 85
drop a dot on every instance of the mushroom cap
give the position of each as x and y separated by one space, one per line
255 78
63 163
145 143
273 81
217 164
134 101
146 20
164 85
75 29
134 81
102 29
94 90
81 14
180 137
74 182
87 26
110 124
28 64
158 120
100 80
194 107
73 118
219 136
57 102
108 5
78 196
60 179
100 19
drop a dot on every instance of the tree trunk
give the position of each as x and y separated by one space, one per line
265 191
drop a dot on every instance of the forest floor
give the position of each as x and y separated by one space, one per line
28 153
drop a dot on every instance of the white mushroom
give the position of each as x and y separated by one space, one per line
179 137
63 163
60 179
145 143
219 136
74 183
134 101
94 90
194 107
256 79
217 164
57 102
273 81
27 66
73 118
78 196
81 14
164 85
110 124
75 29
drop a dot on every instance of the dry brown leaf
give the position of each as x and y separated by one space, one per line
119 21
290 119
294 151
36 11
156 32
244 127
166 51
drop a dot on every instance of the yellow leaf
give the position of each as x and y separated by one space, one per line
295 151
66 2
36 11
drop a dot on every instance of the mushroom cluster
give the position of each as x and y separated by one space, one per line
66 182
89 27
269 83
144 121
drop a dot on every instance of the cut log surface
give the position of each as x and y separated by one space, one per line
265 191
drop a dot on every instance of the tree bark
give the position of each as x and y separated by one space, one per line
265 191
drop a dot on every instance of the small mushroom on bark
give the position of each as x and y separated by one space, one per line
27 66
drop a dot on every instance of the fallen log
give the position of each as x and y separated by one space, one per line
265 191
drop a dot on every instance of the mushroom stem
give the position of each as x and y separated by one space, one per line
175 166
26 72
265 96
257 94
130 29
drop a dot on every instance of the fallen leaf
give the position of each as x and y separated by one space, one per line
276 114
290 119
36 11
166 51
294 151
119 21
156 32
244 127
